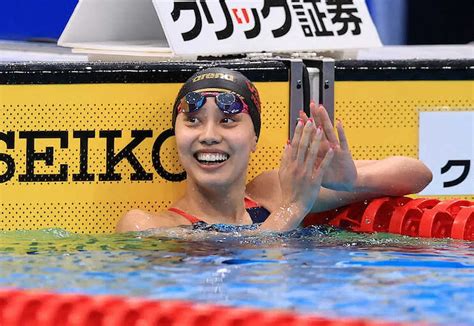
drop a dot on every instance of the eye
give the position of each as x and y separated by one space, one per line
228 120
191 120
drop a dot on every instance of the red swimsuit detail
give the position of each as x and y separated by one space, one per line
257 213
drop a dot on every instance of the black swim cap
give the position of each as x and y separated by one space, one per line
223 79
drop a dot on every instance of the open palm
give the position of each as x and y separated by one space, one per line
341 174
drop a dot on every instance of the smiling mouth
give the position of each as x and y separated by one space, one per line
211 158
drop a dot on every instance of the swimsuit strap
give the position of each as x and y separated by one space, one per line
249 204
191 218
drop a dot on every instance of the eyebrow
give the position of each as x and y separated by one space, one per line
229 115
187 114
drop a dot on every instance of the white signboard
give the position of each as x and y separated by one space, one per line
446 145
223 27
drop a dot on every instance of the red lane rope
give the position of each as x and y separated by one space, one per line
22 308
421 217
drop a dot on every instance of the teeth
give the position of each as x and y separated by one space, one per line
212 157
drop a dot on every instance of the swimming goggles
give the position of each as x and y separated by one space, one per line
227 102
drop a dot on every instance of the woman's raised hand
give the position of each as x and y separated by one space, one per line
300 175
342 173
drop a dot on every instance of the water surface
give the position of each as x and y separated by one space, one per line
316 271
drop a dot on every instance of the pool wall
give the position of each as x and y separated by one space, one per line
81 144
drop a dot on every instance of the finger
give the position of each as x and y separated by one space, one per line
319 172
304 142
342 136
327 125
313 110
303 117
285 155
313 149
316 112
296 140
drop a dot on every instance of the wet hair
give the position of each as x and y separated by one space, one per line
223 79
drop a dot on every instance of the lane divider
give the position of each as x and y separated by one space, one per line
421 217
22 308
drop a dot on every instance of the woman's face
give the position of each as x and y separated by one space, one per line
214 148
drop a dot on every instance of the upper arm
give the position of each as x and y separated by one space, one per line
265 189
393 176
133 220
138 220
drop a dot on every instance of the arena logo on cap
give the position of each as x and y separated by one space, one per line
213 75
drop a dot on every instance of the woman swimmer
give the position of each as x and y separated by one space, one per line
216 118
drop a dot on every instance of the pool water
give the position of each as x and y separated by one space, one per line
313 270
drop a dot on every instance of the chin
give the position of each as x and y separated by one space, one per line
224 178
211 181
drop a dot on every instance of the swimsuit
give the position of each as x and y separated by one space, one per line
257 213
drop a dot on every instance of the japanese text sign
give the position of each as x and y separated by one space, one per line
447 147
225 26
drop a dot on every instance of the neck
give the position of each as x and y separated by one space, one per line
216 205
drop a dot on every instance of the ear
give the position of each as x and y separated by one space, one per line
254 144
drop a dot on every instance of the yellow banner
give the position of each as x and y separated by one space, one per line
79 156
381 117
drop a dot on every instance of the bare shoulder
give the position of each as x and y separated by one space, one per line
139 220
265 189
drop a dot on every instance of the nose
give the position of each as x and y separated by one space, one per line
210 134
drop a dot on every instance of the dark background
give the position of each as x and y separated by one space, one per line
440 21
